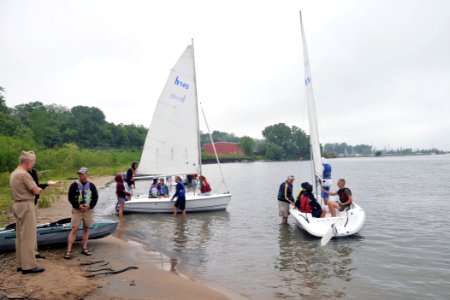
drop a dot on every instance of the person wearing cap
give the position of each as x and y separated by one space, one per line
285 197
83 197
23 191
307 203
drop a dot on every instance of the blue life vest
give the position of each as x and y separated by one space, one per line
326 171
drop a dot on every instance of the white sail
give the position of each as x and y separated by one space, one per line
313 127
172 143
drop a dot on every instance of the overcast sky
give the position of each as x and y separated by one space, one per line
380 69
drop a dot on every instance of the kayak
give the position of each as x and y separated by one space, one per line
55 233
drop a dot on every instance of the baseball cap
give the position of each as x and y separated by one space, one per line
82 170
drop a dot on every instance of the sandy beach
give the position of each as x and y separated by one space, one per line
69 279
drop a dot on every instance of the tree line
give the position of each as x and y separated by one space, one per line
37 126
51 126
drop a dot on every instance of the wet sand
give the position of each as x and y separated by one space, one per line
66 278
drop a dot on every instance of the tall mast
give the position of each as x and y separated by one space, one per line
312 115
196 109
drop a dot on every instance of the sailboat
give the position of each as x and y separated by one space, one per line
172 145
345 223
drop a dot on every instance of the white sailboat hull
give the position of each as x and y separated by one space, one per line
346 223
194 203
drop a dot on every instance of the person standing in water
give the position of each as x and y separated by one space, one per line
122 195
180 193
285 197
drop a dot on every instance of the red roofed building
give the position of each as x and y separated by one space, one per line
224 148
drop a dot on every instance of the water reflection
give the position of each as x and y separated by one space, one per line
308 270
179 235
120 229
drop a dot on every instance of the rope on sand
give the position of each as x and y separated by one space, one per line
111 272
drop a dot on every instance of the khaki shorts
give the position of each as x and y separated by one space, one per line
283 208
87 217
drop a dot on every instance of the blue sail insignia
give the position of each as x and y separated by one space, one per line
181 83
307 80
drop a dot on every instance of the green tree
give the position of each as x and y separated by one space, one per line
270 151
301 144
247 145
279 134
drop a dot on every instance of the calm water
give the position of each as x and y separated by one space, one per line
402 252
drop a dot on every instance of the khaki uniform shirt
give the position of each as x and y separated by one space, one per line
22 185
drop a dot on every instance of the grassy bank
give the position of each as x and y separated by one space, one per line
62 164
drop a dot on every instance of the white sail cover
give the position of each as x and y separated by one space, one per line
313 127
172 143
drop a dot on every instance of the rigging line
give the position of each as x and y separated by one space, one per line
214 146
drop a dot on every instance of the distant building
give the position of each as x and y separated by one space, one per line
224 148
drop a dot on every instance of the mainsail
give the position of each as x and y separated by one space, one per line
172 143
313 127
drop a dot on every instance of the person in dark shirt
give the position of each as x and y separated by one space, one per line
122 194
285 198
34 174
180 193
307 202
130 176
83 197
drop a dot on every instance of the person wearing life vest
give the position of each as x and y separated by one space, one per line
83 197
326 180
285 197
205 188
307 203
345 198
163 190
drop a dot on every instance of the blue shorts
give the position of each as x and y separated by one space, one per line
317 213
325 195
180 203
121 200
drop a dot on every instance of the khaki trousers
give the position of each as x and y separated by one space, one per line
36 251
25 213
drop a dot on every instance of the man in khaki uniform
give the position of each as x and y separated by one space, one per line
23 191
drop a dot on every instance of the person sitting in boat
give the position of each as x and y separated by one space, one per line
345 198
300 193
326 180
205 188
163 190
153 191
308 203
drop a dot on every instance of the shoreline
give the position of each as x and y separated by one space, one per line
154 278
